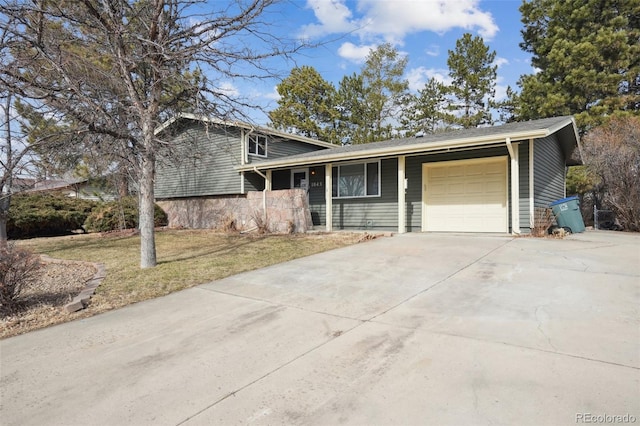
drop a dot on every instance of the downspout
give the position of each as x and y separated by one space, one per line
243 155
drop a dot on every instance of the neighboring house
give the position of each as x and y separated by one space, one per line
489 179
74 188
197 182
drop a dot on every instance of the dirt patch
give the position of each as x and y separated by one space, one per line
44 298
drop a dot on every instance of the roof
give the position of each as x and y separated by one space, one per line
51 185
475 137
242 125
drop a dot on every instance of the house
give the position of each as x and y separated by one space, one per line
199 185
72 187
490 179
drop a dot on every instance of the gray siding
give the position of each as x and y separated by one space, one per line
413 173
548 172
316 195
376 213
523 170
202 163
203 159
278 148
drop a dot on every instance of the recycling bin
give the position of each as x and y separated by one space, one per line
567 213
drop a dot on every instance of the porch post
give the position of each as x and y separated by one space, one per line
402 215
328 194
515 187
267 181
532 210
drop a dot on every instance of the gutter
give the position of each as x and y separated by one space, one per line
398 150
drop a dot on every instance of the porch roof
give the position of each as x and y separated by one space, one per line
441 142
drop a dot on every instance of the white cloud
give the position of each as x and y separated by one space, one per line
418 77
273 95
500 61
229 89
393 20
433 50
355 53
333 17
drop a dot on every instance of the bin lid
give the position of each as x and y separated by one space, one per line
564 200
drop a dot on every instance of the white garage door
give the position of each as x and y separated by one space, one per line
465 195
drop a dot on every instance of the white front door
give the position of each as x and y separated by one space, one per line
300 178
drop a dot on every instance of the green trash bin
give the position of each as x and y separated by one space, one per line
567 213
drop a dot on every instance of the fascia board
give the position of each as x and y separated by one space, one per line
247 126
398 150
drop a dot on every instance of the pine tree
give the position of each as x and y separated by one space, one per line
306 106
588 56
473 83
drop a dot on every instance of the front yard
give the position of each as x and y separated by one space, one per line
185 258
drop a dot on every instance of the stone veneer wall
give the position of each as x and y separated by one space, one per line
287 211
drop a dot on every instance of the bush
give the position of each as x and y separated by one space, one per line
17 268
44 214
612 154
120 214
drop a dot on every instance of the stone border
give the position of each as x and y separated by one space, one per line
82 300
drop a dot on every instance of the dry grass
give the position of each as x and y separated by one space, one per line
185 258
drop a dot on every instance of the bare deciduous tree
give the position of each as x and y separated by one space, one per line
114 70
613 155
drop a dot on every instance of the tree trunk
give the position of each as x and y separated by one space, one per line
3 229
146 201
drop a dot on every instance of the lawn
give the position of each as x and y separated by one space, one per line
185 258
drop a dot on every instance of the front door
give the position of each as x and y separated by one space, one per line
300 178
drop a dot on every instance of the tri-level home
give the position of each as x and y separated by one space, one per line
490 179
199 185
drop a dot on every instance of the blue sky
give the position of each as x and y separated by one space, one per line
424 30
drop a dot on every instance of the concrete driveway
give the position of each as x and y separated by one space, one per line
413 329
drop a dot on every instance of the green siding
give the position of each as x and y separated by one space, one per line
548 172
279 147
376 213
523 170
203 158
316 195
202 163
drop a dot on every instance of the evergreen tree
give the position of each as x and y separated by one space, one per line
306 106
588 56
426 111
382 77
473 81
370 102
354 116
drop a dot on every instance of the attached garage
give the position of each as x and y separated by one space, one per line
465 196
490 179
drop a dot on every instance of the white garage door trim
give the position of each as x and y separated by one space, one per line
466 195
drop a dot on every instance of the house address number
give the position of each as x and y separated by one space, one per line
316 184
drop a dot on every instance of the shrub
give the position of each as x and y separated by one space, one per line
17 269
612 154
45 214
120 214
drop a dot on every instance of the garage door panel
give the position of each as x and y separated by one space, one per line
465 196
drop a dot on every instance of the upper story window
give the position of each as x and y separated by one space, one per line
356 180
258 145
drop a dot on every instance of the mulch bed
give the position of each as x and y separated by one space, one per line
45 296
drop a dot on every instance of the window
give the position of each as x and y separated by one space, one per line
258 145
356 180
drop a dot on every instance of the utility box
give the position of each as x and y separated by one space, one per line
567 213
